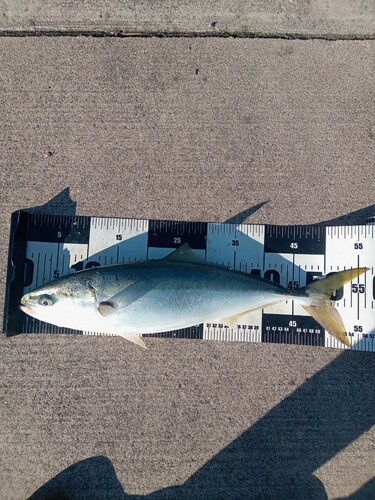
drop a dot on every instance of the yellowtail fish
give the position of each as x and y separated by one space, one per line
178 291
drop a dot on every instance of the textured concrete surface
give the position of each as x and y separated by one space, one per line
187 129
333 18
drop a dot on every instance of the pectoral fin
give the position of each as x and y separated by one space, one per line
106 308
133 337
124 298
330 319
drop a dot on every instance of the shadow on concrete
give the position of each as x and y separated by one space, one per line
61 204
275 458
354 218
94 477
245 214
364 493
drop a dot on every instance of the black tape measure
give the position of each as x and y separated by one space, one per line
44 247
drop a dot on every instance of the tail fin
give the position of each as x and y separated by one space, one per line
321 308
331 283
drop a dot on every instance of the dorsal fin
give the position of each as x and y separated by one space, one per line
185 254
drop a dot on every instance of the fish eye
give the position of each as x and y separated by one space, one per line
46 300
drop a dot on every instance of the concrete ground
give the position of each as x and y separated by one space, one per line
196 128
308 18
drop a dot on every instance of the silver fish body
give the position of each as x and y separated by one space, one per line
154 296
164 295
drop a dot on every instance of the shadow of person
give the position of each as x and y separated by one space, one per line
364 493
93 478
275 458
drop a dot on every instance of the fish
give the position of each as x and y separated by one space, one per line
178 291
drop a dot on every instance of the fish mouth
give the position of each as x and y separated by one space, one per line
24 300
26 307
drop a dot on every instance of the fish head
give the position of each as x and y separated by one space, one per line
63 302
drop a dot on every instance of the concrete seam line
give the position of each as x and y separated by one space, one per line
177 34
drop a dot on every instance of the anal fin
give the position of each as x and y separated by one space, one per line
232 321
133 337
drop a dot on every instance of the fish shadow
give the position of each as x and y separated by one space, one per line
275 458
62 203
357 217
241 217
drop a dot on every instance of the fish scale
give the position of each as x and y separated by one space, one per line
45 247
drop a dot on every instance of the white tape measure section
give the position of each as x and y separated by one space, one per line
52 260
238 247
107 238
44 257
354 246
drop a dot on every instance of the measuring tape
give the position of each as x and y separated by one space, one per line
45 247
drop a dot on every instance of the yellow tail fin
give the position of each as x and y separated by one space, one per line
330 319
321 308
331 283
